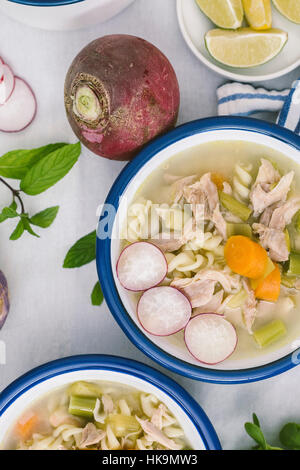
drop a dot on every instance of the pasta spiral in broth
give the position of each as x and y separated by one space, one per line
98 416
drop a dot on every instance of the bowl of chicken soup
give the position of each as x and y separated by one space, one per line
99 402
198 250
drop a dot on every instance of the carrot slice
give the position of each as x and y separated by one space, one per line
269 288
26 425
246 257
218 179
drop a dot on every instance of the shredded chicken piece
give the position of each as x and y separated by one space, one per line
172 241
262 199
91 435
179 185
158 415
199 292
250 307
227 281
61 416
156 435
267 174
274 241
219 221
227 189
212 306
282 216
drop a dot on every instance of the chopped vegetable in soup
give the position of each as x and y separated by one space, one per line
97 416
228 227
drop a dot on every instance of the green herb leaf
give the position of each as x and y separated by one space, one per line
45 218
290 436
83 252
50 169
16 163
27 226
256 433
97 295
14 205
8 213
18 232
255 420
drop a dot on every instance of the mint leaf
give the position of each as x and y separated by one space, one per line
83 252
50 169
45 218
97 295
27 226
8 213
18 232
16 163
290 436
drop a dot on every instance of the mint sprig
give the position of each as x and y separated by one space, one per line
37 169
81 253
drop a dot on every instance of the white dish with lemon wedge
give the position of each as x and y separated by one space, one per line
277 48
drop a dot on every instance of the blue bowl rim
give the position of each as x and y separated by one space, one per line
117 364
45 3
104 267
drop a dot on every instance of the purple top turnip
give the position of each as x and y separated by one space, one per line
120 92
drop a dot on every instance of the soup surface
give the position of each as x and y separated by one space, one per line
226 217
97 416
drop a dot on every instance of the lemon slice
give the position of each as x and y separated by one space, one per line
226 14
245 47
258 13
289 8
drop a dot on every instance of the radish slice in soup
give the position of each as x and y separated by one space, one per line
141 266
18 112
7 83
163 311
210 338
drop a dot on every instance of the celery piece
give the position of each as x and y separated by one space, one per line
269 269
288 281
239 229
85 389
82 406
287 239
297 222
238 299
235 207
270 333
294 264
123 424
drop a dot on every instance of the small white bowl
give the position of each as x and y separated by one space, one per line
64 14
41 381
194 24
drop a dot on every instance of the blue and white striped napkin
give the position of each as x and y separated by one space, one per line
243 100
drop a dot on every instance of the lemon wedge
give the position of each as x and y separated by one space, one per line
226 14
289 8
258 13
245 47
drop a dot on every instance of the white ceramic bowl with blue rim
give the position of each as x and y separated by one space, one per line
62 14
174 355
46 378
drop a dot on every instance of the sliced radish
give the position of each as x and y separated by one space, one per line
141 266
210 338
1 68
19 111
163 311
7 83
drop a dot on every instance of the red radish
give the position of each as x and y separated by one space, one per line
210 338
120 92
1 68
7 83
163 311
141 266
19 111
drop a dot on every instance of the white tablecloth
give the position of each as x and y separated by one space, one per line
51 315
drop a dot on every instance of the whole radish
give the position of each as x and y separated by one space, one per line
120 92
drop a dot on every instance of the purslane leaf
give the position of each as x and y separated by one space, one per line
290 436
97 295
50 169
45 218
83 252
16 163
18 232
